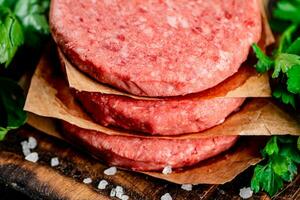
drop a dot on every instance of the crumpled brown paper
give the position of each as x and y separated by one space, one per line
238 85
50 96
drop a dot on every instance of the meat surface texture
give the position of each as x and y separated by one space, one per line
160 117
156 48
145 154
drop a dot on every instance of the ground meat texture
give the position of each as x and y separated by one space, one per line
145 154
156 48
160 117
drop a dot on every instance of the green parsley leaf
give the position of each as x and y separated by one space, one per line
286 38
264 62
289 151
11 36
298 143
33 16
285 96
272 147
266 179
287 10
284 62
293 81
280 164
7 3
11 103
294 48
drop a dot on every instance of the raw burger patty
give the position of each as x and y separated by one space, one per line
157 48
146 154
161 117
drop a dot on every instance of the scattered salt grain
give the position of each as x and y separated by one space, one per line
54 162
187 187
124 197
246 193
87 181
119 192
167 170
32 143
110 171
166 196
102 184
112 192
32 157
25 148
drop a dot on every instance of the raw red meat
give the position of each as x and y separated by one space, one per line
157 48
158 117
144 154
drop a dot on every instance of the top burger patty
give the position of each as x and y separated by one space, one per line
157 48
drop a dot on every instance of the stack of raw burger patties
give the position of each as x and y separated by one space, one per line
164 54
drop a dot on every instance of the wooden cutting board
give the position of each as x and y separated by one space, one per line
41 181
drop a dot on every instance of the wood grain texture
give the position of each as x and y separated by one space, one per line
40 181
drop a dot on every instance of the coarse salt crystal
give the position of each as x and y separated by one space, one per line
119 192
32 143
110 171
25 148
166 196
246 193
102 184
87 181
32 157
54 162
124 197
112 192
187 187
167 170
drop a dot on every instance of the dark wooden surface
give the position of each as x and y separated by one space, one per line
40 181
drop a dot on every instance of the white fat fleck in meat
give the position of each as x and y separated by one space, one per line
149 32
109 2
169 3
172 21
167 34
142 19
124 51
183 22
223 60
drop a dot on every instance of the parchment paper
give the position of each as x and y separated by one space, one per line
50 96
240 84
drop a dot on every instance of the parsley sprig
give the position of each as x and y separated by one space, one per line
22 23
282 153
285 65
281 158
